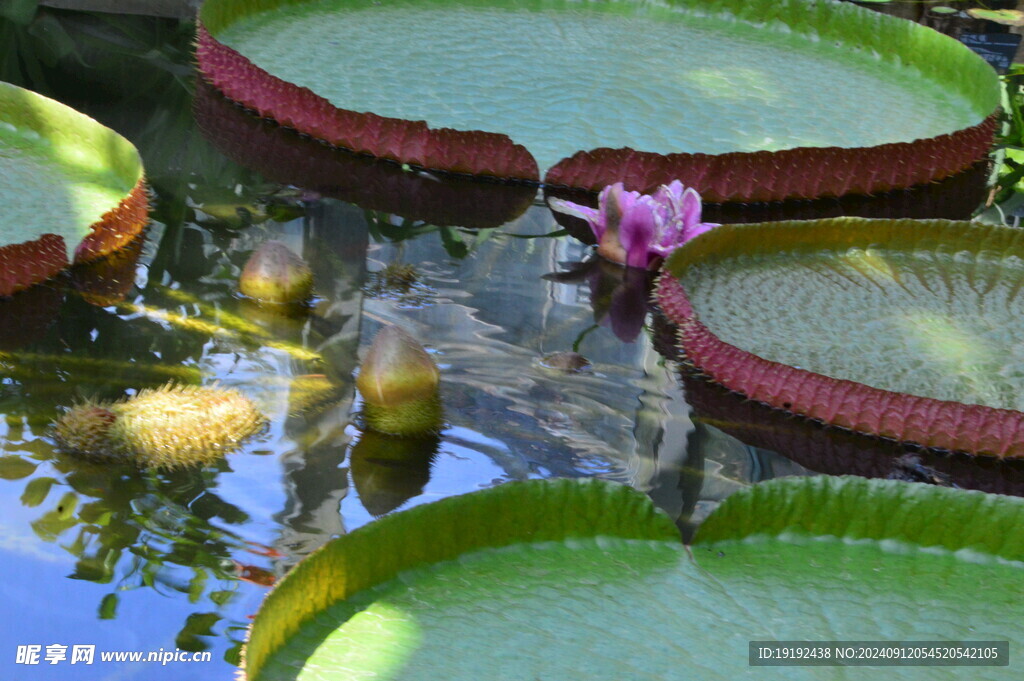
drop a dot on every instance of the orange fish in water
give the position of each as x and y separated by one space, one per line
254 574
263 550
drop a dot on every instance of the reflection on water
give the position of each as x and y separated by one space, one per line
205 543
489 318
138 560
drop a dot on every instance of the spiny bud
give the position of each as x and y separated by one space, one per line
85 431
169 427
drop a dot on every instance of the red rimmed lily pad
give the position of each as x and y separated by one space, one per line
282 155
407 141
897 328
837 451
800 100
955 198
72 189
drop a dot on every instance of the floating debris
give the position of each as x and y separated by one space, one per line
569 362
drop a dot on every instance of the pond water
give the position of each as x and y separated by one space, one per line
131 560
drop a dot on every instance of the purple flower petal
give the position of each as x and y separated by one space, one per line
591 215
698 229
670 195
637 231
690 209
617 198
574 209
670 238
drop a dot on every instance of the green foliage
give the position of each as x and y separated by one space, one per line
38 44
509 514
1011 142
458 242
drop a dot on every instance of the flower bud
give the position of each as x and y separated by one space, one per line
85 431
399 384
274 274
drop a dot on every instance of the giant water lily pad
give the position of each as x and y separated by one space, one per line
72 189
905 329
282 155
743 99
570 579
837 451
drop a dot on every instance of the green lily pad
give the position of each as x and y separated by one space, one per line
574 579
72 189
560 77
1008 17
905 329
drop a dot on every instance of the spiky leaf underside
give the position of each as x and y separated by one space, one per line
583 579
72 189
904 329
782 116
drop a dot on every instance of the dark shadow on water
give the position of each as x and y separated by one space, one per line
283 155
955 198
837 451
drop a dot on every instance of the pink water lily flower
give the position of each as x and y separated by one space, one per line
637 229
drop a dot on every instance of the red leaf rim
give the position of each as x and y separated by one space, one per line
836 451
118 227
283 155
413 142
32 262
970 428
799 173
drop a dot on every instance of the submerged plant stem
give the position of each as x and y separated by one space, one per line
204 327
228 319
25 365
